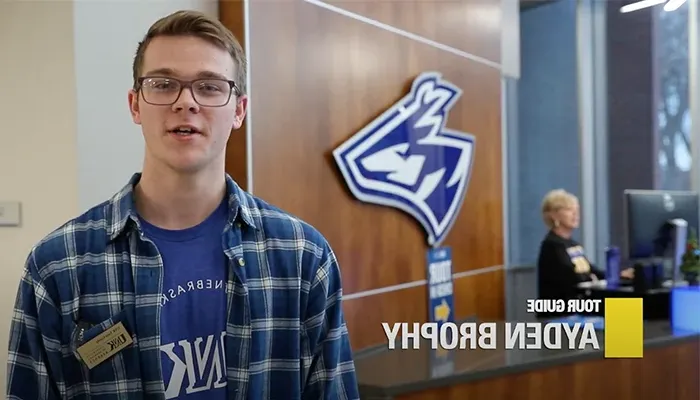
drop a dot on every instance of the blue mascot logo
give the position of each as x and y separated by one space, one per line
407 159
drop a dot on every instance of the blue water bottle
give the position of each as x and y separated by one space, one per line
612 265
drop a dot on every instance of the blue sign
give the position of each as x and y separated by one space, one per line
407 159
440 286
440 305
684 309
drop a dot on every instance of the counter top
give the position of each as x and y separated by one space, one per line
385 373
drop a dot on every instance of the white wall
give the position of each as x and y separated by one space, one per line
38 137
67 141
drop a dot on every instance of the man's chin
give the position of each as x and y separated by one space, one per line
188 166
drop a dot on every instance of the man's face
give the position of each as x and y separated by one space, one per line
186 58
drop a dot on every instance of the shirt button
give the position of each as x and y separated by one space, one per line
241 262
238 224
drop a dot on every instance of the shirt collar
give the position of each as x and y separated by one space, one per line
121 207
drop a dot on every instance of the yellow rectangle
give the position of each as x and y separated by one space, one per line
624 328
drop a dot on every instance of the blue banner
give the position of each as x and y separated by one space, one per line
440 286
440 305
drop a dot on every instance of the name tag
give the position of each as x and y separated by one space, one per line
105 345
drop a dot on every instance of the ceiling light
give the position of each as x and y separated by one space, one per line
673 5
640 4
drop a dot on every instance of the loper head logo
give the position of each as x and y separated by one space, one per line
407 159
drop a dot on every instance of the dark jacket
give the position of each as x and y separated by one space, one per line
559 260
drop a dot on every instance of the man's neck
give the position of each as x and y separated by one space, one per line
175 201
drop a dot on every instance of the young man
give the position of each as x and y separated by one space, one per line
182 286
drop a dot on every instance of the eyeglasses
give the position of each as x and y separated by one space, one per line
164 91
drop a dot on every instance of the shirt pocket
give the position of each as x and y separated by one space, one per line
118 371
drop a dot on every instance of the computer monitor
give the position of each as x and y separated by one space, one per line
656 223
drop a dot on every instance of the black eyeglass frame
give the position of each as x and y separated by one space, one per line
188 85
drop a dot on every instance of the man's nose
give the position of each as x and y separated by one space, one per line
186 101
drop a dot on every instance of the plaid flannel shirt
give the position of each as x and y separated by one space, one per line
285 339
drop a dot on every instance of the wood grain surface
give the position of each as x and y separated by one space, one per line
665 373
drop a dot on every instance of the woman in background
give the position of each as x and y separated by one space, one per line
562 262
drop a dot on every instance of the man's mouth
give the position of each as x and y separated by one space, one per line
184 131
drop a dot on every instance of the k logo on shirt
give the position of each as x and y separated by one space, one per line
196 366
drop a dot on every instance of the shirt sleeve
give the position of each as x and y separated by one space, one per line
29 376
329 363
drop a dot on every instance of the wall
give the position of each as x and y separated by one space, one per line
548 129
38 141
631 120
67 140
319 73
89 147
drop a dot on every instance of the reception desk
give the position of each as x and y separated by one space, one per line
669 370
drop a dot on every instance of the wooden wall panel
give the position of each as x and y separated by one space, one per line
231 14
472 26
317 78
669 372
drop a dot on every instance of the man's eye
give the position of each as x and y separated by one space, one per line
210 88
163 85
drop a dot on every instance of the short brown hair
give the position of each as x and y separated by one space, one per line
194 23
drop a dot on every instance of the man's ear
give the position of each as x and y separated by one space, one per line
134 108
241 111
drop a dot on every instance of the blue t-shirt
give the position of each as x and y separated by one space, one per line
193 314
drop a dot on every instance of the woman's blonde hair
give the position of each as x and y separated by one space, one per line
554 201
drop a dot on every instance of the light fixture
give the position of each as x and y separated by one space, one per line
673 5
640 5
